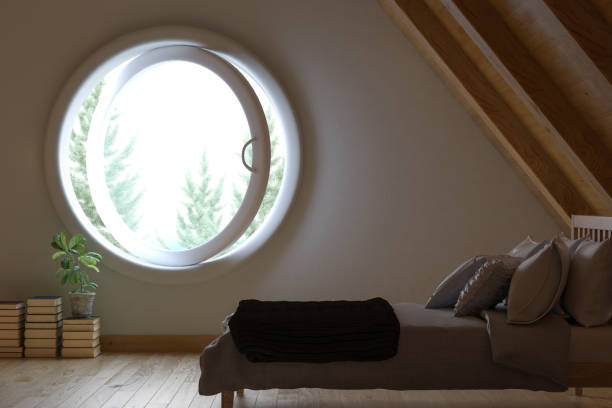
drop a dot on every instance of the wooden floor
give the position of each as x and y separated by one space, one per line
116 380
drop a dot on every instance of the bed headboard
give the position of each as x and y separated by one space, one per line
598 228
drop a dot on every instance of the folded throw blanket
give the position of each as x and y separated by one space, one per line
316 332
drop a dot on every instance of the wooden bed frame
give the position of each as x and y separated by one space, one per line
581 375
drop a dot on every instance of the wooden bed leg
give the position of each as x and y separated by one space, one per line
240 392
578 391
227 399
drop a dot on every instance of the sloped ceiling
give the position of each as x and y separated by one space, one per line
537 76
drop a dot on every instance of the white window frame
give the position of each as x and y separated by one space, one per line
90 73
259 140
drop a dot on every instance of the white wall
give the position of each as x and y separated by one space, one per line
399 185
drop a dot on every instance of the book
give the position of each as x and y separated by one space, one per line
11 304
81 343
11 349
42 343
44 309
42 333
93 320
44 301
11 334
11 342
81 335
10 355
81 352
81 327
33 318
51 325
11 312
5 326
41 352
12 319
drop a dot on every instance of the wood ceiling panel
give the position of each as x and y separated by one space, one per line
539 94
570 68
605 8
419 23
589 28
536 128
582 145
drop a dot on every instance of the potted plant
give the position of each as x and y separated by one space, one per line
74 261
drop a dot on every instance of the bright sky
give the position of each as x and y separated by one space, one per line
176 110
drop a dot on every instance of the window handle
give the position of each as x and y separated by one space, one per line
249 168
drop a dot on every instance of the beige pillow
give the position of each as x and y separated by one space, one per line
485 289
538 283
572 245
526 248
447 292
588 295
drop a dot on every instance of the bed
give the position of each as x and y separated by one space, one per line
436 351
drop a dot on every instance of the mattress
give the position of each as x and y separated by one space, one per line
590 345
436 351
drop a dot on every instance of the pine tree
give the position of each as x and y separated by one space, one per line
277 168
202 218
119 177
78 155
203 207
120 182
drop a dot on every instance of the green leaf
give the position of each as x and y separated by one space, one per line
64 279
58 272
80 248
57 255
73 276
57 242
95 255
67 262
89 262
92 285
75 240
63 241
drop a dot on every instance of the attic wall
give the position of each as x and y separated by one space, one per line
399 184
537 76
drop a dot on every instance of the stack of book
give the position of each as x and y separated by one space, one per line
81 337
11 328
43 326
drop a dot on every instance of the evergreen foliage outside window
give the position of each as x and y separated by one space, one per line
122 184
200 215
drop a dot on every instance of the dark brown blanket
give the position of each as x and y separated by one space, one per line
436 351
315 332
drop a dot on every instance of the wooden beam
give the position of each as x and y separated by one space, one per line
418 22
605 9
589 28
154 343
580 143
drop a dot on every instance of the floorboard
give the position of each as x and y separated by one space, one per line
170 380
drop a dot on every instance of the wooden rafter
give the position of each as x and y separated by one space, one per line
589 28
582 145
421 25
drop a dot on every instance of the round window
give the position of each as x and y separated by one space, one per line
171 153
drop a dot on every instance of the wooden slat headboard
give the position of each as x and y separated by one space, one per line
598 228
